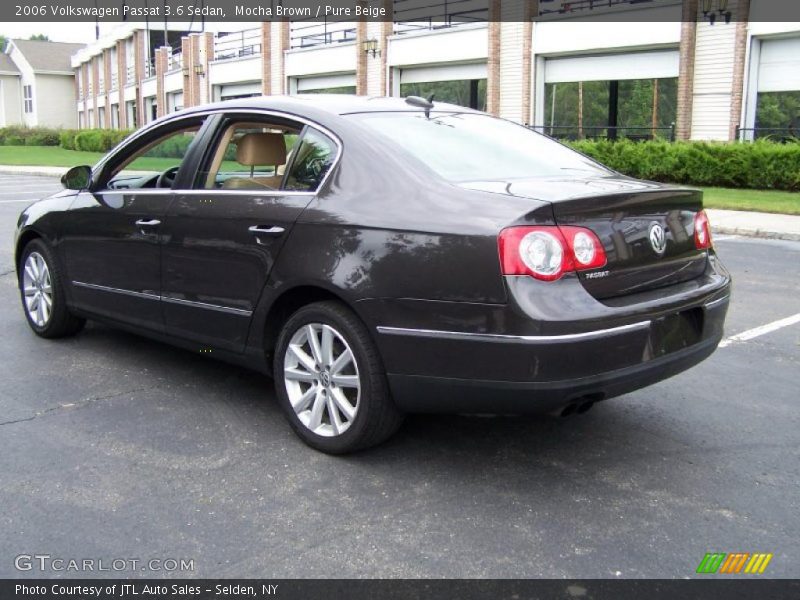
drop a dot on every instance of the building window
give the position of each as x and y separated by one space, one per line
466 92
778 115
27 91
635 109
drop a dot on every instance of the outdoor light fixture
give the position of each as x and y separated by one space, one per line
722 9
198 69
371 47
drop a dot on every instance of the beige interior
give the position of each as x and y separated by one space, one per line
257 149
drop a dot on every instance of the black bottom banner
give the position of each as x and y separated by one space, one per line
405 589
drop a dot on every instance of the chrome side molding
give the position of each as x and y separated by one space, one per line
514 339
716 302
147 296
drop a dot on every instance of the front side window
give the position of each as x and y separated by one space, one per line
463 147
155 161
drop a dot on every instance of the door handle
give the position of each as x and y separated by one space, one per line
257 230
148 223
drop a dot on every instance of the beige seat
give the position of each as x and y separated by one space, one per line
259 150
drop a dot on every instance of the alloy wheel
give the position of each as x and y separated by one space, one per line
37 289
322 381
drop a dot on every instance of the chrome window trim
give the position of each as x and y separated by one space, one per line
225 111
144 295
513 339
204 192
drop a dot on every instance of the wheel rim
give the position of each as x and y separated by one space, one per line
37 289
321 377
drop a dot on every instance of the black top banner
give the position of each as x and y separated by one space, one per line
429 11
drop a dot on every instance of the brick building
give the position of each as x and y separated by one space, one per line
647 73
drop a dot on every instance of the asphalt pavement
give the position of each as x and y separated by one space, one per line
116 447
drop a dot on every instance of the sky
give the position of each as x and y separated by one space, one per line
57 32
84 32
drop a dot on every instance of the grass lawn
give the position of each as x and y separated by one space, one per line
770 201
48 156
53 156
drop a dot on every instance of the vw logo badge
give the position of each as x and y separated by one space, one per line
658 239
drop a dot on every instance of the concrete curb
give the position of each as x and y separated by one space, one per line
38 171
757 233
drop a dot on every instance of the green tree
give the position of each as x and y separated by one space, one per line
3 42
39 37
779 110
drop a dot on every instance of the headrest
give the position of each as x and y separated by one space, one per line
261 149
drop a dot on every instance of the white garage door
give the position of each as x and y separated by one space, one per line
779 68
240 89
611 67
443 73
324 82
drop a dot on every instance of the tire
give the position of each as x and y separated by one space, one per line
39 271
373 418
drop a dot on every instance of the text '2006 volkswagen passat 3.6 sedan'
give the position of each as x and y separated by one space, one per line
380 256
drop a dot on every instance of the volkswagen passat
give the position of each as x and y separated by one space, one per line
378 257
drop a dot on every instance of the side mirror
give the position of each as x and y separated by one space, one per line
77 178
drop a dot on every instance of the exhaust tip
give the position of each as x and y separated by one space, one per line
569 409
585 407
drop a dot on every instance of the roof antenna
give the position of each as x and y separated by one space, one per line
422 103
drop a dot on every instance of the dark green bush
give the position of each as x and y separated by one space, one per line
30 136
44 138
174 147
66 139
97 140
758 165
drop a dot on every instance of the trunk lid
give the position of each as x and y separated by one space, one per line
646 229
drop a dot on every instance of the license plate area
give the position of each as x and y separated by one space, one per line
676 332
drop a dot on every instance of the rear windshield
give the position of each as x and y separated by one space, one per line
465 147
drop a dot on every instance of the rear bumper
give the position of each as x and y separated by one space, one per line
427 394
550 346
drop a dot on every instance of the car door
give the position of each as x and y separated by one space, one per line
223 237
111 239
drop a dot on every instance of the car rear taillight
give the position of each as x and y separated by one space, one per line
546 252
702 231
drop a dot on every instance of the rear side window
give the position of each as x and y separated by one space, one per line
313 159
464 147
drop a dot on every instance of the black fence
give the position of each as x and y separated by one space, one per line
306 33
561 7
775 134
416 15
573 132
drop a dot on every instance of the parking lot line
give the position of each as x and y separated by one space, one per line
34 199
48 190
761 330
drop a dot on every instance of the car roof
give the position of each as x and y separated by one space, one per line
334 104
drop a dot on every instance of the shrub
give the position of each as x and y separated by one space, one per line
43 138
96 140
29 136
174 147
758 165
66 139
